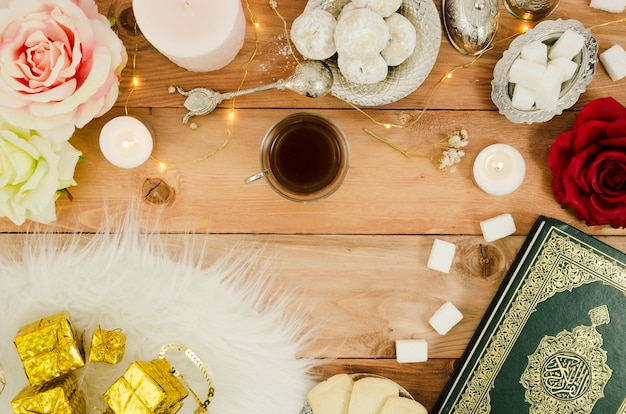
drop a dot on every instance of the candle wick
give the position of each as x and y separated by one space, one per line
498 166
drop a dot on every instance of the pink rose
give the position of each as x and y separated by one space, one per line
60 65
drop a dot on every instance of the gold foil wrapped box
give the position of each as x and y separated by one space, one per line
107 346
49 348
59 396
146 388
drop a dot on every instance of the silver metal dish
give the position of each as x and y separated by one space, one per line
403 79
471 25
548 32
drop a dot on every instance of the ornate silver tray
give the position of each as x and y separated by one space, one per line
403 79
548 32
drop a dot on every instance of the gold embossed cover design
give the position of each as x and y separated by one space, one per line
552 340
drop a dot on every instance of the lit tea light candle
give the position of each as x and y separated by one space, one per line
126 142
499 169
198 35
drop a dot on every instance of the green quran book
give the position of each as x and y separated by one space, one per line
554 338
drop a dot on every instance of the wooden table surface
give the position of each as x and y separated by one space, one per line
356 262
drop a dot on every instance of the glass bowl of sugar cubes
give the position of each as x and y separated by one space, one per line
544 71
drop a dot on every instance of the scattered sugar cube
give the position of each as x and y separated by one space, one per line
614 61
611 6
441 256
526 73
566 66
549 89
411 350
523 97
567 45
536 52
497 227
445 318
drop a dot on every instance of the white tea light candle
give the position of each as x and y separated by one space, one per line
126 142
198 35
499 169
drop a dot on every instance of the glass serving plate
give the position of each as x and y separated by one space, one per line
403 79
403 392
547 32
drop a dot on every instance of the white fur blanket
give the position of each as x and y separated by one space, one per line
128 280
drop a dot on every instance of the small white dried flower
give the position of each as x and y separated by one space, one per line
458 139
449 159
273 4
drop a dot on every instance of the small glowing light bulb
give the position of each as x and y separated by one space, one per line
257 25
231 116
449 75
388 126
162 165
135 81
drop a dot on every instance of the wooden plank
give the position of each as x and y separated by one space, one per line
272 62
358 294
384 193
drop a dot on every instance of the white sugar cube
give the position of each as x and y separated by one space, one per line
549 89
567 45
536 52
566 66
411 350
441 256
445 318
523 97
526 73
611 6
614 61
497 227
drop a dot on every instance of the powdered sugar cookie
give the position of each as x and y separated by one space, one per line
312 34
384 8
402 39
370 69
348 7
361 33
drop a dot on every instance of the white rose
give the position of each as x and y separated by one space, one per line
60 65
32 170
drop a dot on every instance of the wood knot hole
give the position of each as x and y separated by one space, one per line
485 261
157 191
127 20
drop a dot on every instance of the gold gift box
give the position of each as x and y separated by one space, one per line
146 388
59 396
107 346
49 348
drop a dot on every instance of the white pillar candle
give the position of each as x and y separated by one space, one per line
198 35
126 142
499 169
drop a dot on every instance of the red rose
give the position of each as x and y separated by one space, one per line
589 164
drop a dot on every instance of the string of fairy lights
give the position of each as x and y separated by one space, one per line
230 117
